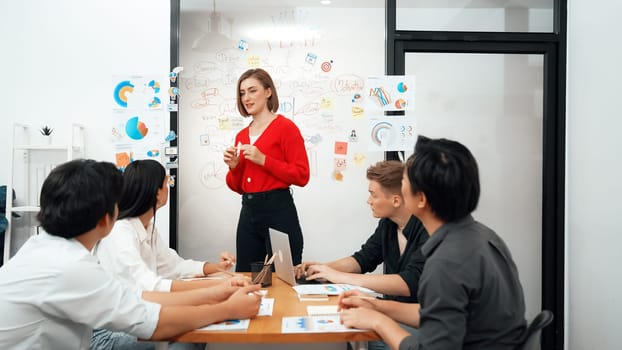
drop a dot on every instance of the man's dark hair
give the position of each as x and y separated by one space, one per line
76 195
446 172
141 181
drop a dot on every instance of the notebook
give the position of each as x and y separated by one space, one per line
283 265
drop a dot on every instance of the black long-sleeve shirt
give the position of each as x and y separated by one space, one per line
470 294
383 247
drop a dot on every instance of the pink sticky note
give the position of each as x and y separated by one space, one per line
341 147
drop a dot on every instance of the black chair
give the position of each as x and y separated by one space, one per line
532 339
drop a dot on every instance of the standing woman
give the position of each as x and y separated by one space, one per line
269 156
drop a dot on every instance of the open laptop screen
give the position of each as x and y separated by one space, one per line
283 265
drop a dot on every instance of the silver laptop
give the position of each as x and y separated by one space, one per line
283 265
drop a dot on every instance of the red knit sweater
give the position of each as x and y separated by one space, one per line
286 159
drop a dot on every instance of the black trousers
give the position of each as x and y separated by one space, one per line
260 211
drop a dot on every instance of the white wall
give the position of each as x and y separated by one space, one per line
594 173
58 58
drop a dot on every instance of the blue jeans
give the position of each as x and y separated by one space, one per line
380 345
103 339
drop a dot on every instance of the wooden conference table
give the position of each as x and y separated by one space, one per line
267 329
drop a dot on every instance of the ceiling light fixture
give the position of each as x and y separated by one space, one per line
213 39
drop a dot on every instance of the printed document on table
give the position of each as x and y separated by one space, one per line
266 307
328 289
322 310
229 325
314 324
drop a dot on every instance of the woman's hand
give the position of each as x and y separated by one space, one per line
252 153
227 260
245 302
231 157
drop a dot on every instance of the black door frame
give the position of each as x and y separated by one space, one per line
174 62
553 48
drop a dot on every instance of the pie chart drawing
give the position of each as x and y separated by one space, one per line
155 103
401 87
400 103
121 91
136 129
382 133
155 86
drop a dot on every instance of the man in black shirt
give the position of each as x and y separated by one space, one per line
396 242
470 294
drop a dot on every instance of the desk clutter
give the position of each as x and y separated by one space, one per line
319 318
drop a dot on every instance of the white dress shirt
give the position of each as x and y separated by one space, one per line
53 292
141 258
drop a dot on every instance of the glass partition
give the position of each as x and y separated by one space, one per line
493 103
475 15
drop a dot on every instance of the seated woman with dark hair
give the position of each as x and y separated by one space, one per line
53 292
134 251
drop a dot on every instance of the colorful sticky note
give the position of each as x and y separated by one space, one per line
123 159
341 147
340 164
359 159
326 103
224 123
357 112
252 61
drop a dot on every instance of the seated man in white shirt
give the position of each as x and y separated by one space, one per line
53 291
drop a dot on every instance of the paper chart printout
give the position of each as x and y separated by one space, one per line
328 289
389 93
311 324
228 325
138 118
392 133
266 307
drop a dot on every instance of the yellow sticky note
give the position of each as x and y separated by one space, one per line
326 103
359 159
224 123
358 112
252 61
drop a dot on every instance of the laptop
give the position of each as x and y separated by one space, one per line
283 265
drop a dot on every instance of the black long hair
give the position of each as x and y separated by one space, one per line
141 181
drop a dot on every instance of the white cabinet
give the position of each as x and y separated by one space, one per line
31 160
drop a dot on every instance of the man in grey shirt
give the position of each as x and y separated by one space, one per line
470 294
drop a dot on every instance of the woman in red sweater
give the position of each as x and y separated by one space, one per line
269 156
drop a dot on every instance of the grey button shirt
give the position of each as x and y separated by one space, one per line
470 294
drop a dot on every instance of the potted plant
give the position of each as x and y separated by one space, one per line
46 133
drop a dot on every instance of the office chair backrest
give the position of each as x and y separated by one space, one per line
532 339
